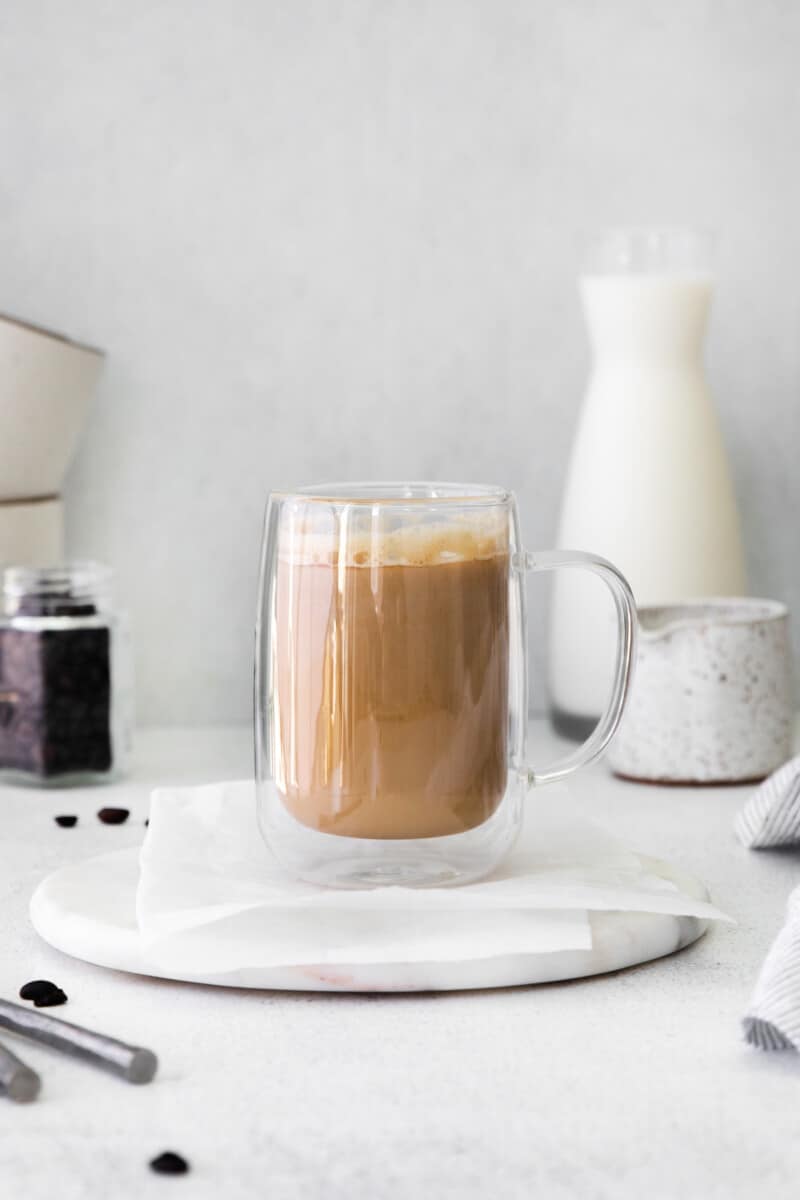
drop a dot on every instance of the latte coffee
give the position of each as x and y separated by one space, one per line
391 657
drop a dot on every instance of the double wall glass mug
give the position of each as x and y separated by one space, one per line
391 681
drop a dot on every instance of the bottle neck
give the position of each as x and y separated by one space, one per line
647 318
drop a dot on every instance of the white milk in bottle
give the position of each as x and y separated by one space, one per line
648 484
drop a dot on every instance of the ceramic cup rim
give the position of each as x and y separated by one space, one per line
718 611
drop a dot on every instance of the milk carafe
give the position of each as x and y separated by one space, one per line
648 484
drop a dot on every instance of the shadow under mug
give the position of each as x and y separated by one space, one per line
391 689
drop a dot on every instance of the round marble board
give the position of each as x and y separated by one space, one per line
87 910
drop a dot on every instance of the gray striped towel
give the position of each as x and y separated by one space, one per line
773 1019
771 816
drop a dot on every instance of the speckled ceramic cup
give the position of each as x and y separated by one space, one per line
712 696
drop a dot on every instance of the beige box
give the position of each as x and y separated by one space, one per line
46 386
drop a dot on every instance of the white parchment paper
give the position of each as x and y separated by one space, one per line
210 894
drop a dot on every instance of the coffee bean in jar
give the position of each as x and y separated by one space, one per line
64 698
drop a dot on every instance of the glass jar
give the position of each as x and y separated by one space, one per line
64 676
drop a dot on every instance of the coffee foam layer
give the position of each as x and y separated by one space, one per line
409 546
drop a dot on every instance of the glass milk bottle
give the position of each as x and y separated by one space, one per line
648 484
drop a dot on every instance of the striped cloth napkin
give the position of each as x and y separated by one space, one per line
771 817
773 1019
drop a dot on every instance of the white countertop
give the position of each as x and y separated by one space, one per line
630 1085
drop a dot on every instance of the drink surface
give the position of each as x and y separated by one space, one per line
390 714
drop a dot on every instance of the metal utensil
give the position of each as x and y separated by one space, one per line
17 1080
133 1063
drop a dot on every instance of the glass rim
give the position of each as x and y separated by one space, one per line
641 249
416 492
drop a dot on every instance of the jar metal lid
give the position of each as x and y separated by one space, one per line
79 588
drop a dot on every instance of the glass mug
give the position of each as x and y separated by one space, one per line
391 681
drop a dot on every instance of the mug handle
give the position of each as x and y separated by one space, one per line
595 744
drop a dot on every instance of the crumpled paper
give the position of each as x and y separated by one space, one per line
211 897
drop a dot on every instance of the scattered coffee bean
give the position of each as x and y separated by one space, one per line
169 1163
113 816
51 999
66 822
36 989
147 822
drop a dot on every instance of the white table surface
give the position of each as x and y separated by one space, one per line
631 1085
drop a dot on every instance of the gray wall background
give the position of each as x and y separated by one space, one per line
337 240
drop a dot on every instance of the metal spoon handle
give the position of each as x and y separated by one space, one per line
17 1080
133 1063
